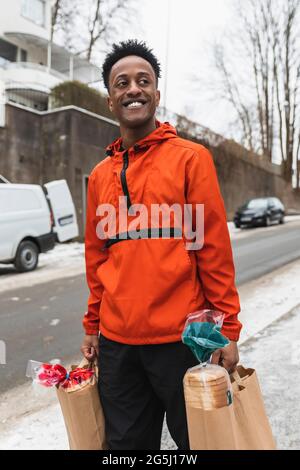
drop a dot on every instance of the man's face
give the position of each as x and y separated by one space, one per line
133 97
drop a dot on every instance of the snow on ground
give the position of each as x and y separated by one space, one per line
65 260
43 430
275 355
31 418
268 298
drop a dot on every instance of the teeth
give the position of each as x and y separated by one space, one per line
135 104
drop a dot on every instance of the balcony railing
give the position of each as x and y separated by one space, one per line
29 75
34 66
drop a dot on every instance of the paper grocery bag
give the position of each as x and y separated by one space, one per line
83 415
242 425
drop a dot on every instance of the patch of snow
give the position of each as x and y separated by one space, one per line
36 431
65 260
268 298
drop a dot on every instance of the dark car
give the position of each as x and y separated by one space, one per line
260 211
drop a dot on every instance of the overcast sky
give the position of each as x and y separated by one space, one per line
194 24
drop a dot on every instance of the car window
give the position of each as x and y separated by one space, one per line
275 202
272 202
259 203
279 203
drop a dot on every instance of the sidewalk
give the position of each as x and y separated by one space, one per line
275 354
31 419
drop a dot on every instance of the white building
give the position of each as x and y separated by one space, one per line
29 64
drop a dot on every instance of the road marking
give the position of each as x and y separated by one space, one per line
54 322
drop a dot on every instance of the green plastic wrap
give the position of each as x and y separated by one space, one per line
202 333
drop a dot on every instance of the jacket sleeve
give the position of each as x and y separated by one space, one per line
94 257
214 260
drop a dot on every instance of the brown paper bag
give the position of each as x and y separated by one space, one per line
83 415
243 425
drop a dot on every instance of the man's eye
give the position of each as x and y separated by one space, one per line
122 83
144 80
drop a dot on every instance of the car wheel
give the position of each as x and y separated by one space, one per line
27 256
281 221
267 221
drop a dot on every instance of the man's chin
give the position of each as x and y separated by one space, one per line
135 122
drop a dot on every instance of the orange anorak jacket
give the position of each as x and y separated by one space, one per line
141 290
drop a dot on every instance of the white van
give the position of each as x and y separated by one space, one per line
32 219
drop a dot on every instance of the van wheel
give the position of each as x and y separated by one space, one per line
27 256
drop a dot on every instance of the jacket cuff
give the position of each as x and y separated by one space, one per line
92 331
232 330
91 327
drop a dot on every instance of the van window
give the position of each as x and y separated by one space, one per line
15 200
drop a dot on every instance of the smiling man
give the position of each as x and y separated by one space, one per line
142 289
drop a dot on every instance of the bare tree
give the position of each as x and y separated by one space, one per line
100 23
287 76
69 24
84 26
231 92
55 10
268 108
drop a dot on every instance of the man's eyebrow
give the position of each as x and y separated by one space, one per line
125 75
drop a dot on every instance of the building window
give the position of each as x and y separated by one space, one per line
34 10
8 52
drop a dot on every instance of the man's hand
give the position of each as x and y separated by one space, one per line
227 357
90 347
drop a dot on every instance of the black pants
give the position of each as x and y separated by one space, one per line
137 386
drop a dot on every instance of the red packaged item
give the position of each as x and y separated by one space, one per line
50 375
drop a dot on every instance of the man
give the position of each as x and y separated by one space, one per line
142 289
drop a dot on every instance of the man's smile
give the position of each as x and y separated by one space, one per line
134 104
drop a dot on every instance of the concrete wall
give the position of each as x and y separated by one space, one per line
67 143
243 175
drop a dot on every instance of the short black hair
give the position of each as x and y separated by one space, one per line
124 49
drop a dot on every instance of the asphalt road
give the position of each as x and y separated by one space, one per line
30 329
44 322
265 250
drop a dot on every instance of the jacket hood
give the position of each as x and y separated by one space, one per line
163 131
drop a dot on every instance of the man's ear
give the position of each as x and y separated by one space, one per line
110 105
157 98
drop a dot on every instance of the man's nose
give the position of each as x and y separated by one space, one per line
134 88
